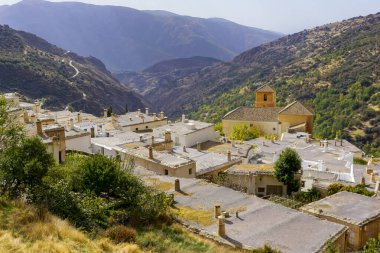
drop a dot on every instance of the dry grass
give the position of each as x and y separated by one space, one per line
160 185
201 217
28 230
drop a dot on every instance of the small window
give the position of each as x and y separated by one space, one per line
137 129
251 125
265 97
166 172
274 129
261 189
302 183
146 127
190 171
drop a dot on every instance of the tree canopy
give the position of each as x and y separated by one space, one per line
287 165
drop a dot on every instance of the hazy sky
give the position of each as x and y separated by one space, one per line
285 16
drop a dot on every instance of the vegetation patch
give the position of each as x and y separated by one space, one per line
201 217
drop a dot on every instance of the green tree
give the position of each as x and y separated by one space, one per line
98 174
11 133
23 166
109 111
219 127
287 165
372 245
243 132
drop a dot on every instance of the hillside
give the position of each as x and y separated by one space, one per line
38 70
332 68
129 39
157 80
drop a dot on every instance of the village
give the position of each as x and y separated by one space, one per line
233 181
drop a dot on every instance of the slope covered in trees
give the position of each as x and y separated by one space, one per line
332 68
38 70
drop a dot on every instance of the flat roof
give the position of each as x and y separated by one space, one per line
204 161
183 128
349 207
251 168
260 221
133 118
162 157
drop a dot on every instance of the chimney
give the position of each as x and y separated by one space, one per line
138 112
92 132
162 115
147 111
168 136
184 149
26 117
37 107
105 112
71 125
152 140
229 156
33 118
341 142
113 118
154 116
141 137
79 117
177 186
363 181
150 152
39 127
103 130
222 226
199 146
373 178
183 118
377 186
218 211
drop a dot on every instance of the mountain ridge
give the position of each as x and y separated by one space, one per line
129 39
36 69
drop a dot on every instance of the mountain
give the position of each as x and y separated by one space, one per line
129 39
157 80
38 70
332 68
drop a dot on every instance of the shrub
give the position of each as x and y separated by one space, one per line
360 161
121 234
359 189
243 133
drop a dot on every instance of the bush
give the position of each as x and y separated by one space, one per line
308 197
121 234
243 133
359 189
360 161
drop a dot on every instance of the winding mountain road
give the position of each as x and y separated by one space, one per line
76 70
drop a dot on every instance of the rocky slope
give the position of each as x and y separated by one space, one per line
38 70
157 80
129 39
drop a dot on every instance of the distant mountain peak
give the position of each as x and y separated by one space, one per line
128 39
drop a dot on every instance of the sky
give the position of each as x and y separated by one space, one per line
286 16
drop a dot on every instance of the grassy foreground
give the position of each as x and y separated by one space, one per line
26 229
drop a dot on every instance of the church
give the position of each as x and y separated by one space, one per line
268 118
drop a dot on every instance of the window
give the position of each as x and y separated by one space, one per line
146 127
251 125
265 97
190 171
274 129
166 172
261 189
137 129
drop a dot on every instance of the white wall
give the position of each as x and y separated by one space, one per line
82 144
207 134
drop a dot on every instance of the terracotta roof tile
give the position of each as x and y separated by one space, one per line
296 108
265 88
269 114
